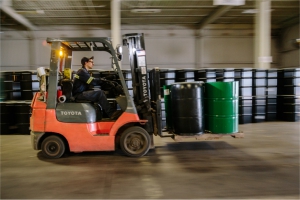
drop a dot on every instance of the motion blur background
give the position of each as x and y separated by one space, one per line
194 40
178 34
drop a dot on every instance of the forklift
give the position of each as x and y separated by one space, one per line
59 123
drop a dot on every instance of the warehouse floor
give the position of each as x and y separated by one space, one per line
263 165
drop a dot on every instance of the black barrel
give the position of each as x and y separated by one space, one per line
29 85
184 75
259 109
227 75
7 117
205 75
290 92
27 94
28 75
187 108
22 110
11 86
271 109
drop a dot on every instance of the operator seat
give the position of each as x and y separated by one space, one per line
67 87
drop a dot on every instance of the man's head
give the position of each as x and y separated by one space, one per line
87 62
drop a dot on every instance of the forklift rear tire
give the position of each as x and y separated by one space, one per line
135 141
53 147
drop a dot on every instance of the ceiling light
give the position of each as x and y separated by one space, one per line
145 10
30 12
250 11
229 2
40 11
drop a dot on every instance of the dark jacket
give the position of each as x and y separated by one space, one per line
82 81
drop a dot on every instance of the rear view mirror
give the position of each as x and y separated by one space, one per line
119 52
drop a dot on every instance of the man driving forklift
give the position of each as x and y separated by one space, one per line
81 84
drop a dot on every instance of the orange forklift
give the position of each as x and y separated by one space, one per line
59 123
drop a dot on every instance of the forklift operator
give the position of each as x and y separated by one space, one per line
82 81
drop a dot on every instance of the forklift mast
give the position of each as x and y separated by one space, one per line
148 107
137 59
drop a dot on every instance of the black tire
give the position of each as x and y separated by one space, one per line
135 141
53 147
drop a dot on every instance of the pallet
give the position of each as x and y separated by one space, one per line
206 136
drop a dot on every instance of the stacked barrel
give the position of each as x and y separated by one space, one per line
205 75
22 113
184 75
289 94
17 92
271 94
19 85
227 75
7 117
11 85
29 84
244 77
259 95
15 117
167 78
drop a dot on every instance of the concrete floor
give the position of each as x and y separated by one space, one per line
263 165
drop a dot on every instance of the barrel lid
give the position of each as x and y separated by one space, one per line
184 83
291 69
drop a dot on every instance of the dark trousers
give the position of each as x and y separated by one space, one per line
99 97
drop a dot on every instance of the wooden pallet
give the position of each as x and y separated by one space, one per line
206 136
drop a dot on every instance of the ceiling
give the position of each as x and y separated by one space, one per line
40 14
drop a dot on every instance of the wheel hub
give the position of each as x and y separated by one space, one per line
135 143
52 147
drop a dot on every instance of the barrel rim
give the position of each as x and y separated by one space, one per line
184 83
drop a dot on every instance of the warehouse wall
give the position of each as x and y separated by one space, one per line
214 47
289 50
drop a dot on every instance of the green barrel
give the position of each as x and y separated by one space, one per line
221 107
168 110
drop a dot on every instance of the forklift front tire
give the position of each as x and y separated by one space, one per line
53 147
135 141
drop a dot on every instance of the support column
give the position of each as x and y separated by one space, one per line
32 50
115 23
199 49
262 53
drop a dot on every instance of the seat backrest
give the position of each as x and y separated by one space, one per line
67 87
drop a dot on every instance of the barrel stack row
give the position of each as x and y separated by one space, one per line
17 90
259 98
264 95
289 95
19 85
